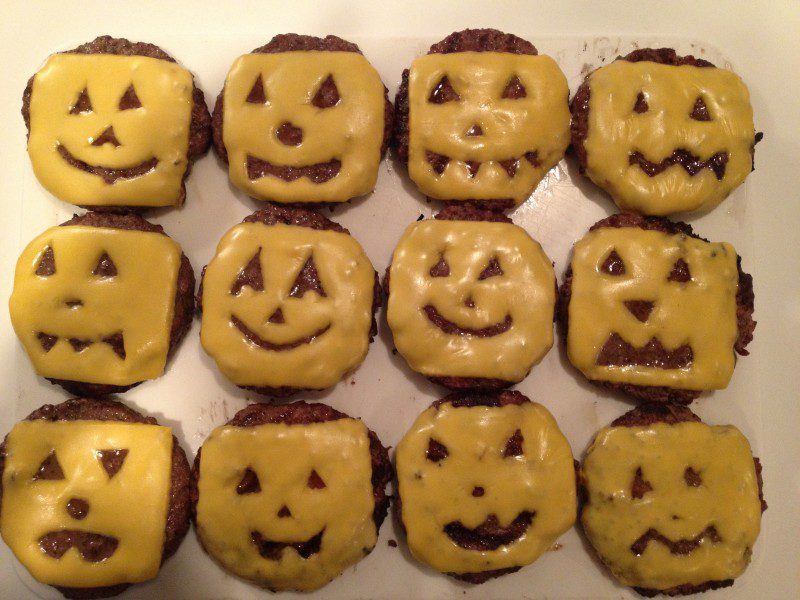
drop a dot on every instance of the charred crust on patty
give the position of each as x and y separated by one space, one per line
180 491
183 311
646 415
744 307
281 214
468 40
293 42
199 126
580 102
302 413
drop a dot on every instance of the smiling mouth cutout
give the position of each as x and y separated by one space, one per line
258 168
435 317
116 341
108 175
680 547
274 550
616 352
489 535
93 547
439 163
252 337
691 163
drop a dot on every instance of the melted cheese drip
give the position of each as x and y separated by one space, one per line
525 291
351 131
537 123
700 312
283 456
616 130
437 493
347 277
138 302
32 508
158 129
727 498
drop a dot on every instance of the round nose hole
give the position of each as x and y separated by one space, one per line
289 135
77 508
477 491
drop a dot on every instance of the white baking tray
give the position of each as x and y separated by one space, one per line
760 219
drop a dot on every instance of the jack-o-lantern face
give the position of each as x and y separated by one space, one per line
484 487
63 485
671 504
484 125
287 306
111 130
95 304
480 294
649 308
287 506
664 139
303 126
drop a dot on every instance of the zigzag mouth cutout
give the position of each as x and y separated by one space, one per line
440 162
690 163
272 550
258 168
682 546
115 340
489 535
616 352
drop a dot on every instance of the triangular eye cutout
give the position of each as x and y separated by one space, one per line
249 483
49 469
250 276
613 264
436 451
640 485
692 477
443 92
257 95
700 111
112 460
47 264
680 272
514 89
129 99
641 105
315 482
327 95
307 281
105 267
514 445
441 268
492 269
82 104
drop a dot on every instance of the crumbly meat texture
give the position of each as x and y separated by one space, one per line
649 414
199 127
494 399
302 413
273 214
468 40
293 42
744 308
183 310
179 508
580 102
464 212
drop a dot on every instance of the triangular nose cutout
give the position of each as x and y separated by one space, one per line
640 309
107 137
277 317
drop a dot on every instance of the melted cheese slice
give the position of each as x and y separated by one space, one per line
283 457
344 313
131 506
350 131
137 302
700 312
525 292
538 122
435 494
157 130
616 130
727 499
